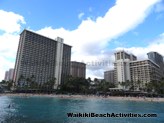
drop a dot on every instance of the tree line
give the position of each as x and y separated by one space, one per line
150 87
77 85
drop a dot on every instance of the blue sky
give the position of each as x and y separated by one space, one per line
95 28
56 13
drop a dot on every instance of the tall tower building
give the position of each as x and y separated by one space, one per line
109 76
158 59
78 69
9 75
122 66
42 57
6 76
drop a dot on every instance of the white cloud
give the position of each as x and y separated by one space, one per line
89 40
10 22
8 45
81 15
4 65
10 25
156 45
91 37
8 48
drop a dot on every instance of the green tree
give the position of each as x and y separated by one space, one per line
21 80
9 84
104 86
28 82
49 85
3 82
123 84
75 85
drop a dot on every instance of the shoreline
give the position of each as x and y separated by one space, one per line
63 96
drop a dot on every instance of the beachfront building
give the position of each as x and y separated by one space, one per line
9 75
78 69
127 68
122 66
158 59
41 57
143 72
109 76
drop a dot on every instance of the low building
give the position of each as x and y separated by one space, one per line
78 69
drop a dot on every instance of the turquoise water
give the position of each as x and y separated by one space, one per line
54 110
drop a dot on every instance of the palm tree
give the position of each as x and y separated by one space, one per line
33 84
123 84
149 87
139 84
131 85
9 84
89 80
75 85
96 80
50 84
20 80
28 80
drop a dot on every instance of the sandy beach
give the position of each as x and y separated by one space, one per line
155 99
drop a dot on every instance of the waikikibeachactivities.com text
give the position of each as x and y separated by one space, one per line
110 115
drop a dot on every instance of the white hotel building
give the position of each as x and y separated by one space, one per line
122 66
127 68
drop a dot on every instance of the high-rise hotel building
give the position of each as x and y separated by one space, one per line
158 59
122 66
109 76
42 57
144 71
128 68
9 75
78 69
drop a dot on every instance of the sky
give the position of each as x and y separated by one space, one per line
94 28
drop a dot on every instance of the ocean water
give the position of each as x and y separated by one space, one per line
54 110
